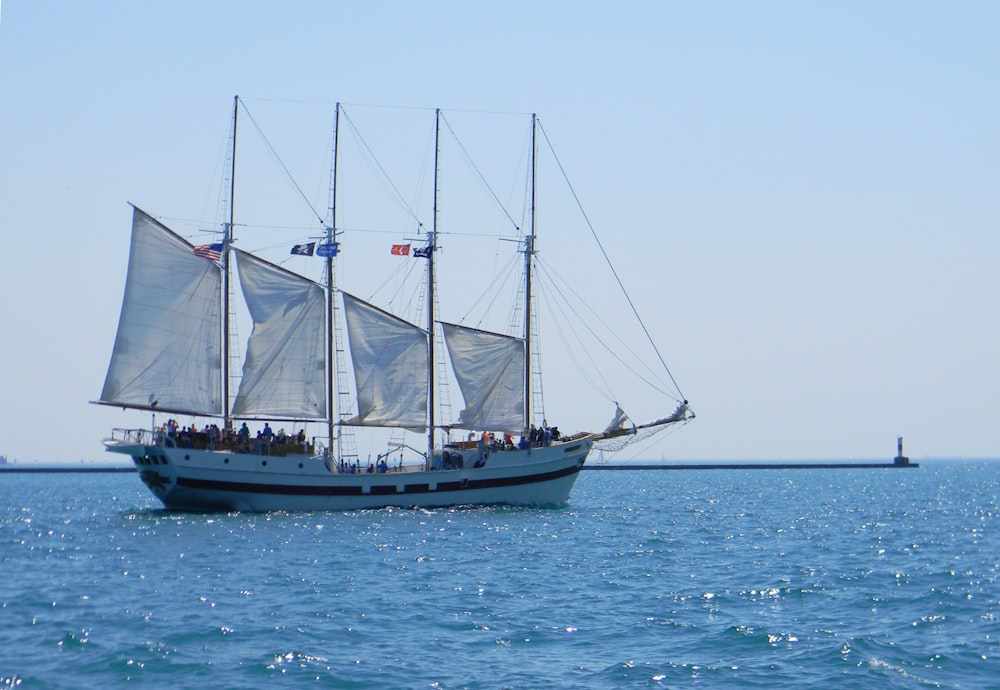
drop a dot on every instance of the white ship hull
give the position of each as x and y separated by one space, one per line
207 480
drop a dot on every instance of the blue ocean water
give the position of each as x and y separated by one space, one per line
862 578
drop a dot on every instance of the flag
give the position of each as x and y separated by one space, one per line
328 249
304 249
400 250
422 253
212 252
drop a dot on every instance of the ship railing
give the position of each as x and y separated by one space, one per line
143 437
336 468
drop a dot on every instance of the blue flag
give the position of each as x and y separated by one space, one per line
327 249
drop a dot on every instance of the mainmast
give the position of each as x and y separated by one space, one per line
431 247
332 404
227 242
529 251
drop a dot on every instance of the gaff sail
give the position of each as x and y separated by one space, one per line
283 373
489 368
391 360
168 349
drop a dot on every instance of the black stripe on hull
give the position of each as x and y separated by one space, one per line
376 489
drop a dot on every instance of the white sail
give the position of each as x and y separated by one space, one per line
283 373
391 361
168 351
617 422
489 368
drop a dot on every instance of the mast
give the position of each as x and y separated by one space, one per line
529 250
332 404
432 245
227 272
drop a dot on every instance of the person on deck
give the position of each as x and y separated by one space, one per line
484 449
243 437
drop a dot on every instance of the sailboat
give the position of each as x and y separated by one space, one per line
172 356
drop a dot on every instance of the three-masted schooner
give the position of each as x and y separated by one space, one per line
171 357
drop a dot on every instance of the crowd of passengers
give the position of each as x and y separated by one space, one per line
213 436
488 443
452 458
535 438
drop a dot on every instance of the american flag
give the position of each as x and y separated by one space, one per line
212 252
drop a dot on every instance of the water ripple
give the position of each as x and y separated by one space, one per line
861 579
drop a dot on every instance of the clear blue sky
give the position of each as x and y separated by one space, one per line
803 197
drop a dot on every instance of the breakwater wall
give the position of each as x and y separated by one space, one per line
752 466
33 469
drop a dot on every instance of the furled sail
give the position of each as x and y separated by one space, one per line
391 364
283 373
618 435
489 368
616 427
167 352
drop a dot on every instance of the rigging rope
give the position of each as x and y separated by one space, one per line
472 163
491 292
571 352
385 179
543 274
652 378
281 163
593 232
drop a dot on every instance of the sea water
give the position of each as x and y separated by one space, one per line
852 578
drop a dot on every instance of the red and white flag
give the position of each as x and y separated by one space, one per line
212 252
